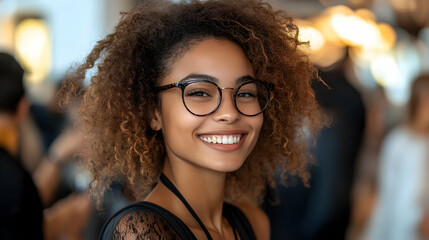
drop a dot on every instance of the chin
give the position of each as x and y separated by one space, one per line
226 167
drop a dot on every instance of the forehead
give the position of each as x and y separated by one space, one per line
219 58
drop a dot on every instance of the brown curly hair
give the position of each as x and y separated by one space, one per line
120 99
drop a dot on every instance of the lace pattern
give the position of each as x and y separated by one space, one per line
145 220
142 225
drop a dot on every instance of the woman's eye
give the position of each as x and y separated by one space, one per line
246 95
197 93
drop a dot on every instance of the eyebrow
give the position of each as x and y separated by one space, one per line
214 79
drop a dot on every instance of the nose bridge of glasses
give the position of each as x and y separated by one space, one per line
231 95
231 99
229 88
226 88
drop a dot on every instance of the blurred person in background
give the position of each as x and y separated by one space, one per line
378 113
25 195
322 210
21 215
402 210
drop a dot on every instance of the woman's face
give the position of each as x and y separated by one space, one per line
186 135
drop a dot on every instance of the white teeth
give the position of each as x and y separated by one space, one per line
222 139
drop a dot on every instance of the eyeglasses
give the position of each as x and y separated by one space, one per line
203 97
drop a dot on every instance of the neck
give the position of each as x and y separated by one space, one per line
202 189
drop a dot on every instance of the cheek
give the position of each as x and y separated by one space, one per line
256 123
259 120
177 123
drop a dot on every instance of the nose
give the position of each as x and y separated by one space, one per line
226 112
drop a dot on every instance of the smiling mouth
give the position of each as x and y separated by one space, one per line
222 139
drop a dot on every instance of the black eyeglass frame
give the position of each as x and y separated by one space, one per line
182 86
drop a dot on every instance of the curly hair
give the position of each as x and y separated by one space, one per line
120 99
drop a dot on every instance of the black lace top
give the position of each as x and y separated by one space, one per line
145 220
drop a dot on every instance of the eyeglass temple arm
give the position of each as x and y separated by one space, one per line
166 87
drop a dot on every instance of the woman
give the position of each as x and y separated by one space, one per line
194 105
404 169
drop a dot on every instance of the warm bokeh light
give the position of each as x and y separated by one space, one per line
355 31
322 51
385 70
322 23
366 14
328 55
371 46
313 36
6 29
388 35
360 30
33 48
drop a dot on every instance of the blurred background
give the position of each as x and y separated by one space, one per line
368 51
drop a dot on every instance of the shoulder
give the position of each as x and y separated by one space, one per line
258 220
139 221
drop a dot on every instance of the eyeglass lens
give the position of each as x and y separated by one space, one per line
202 98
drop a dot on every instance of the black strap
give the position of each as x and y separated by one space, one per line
235 233
176 192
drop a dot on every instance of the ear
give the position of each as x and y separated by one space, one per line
156 120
